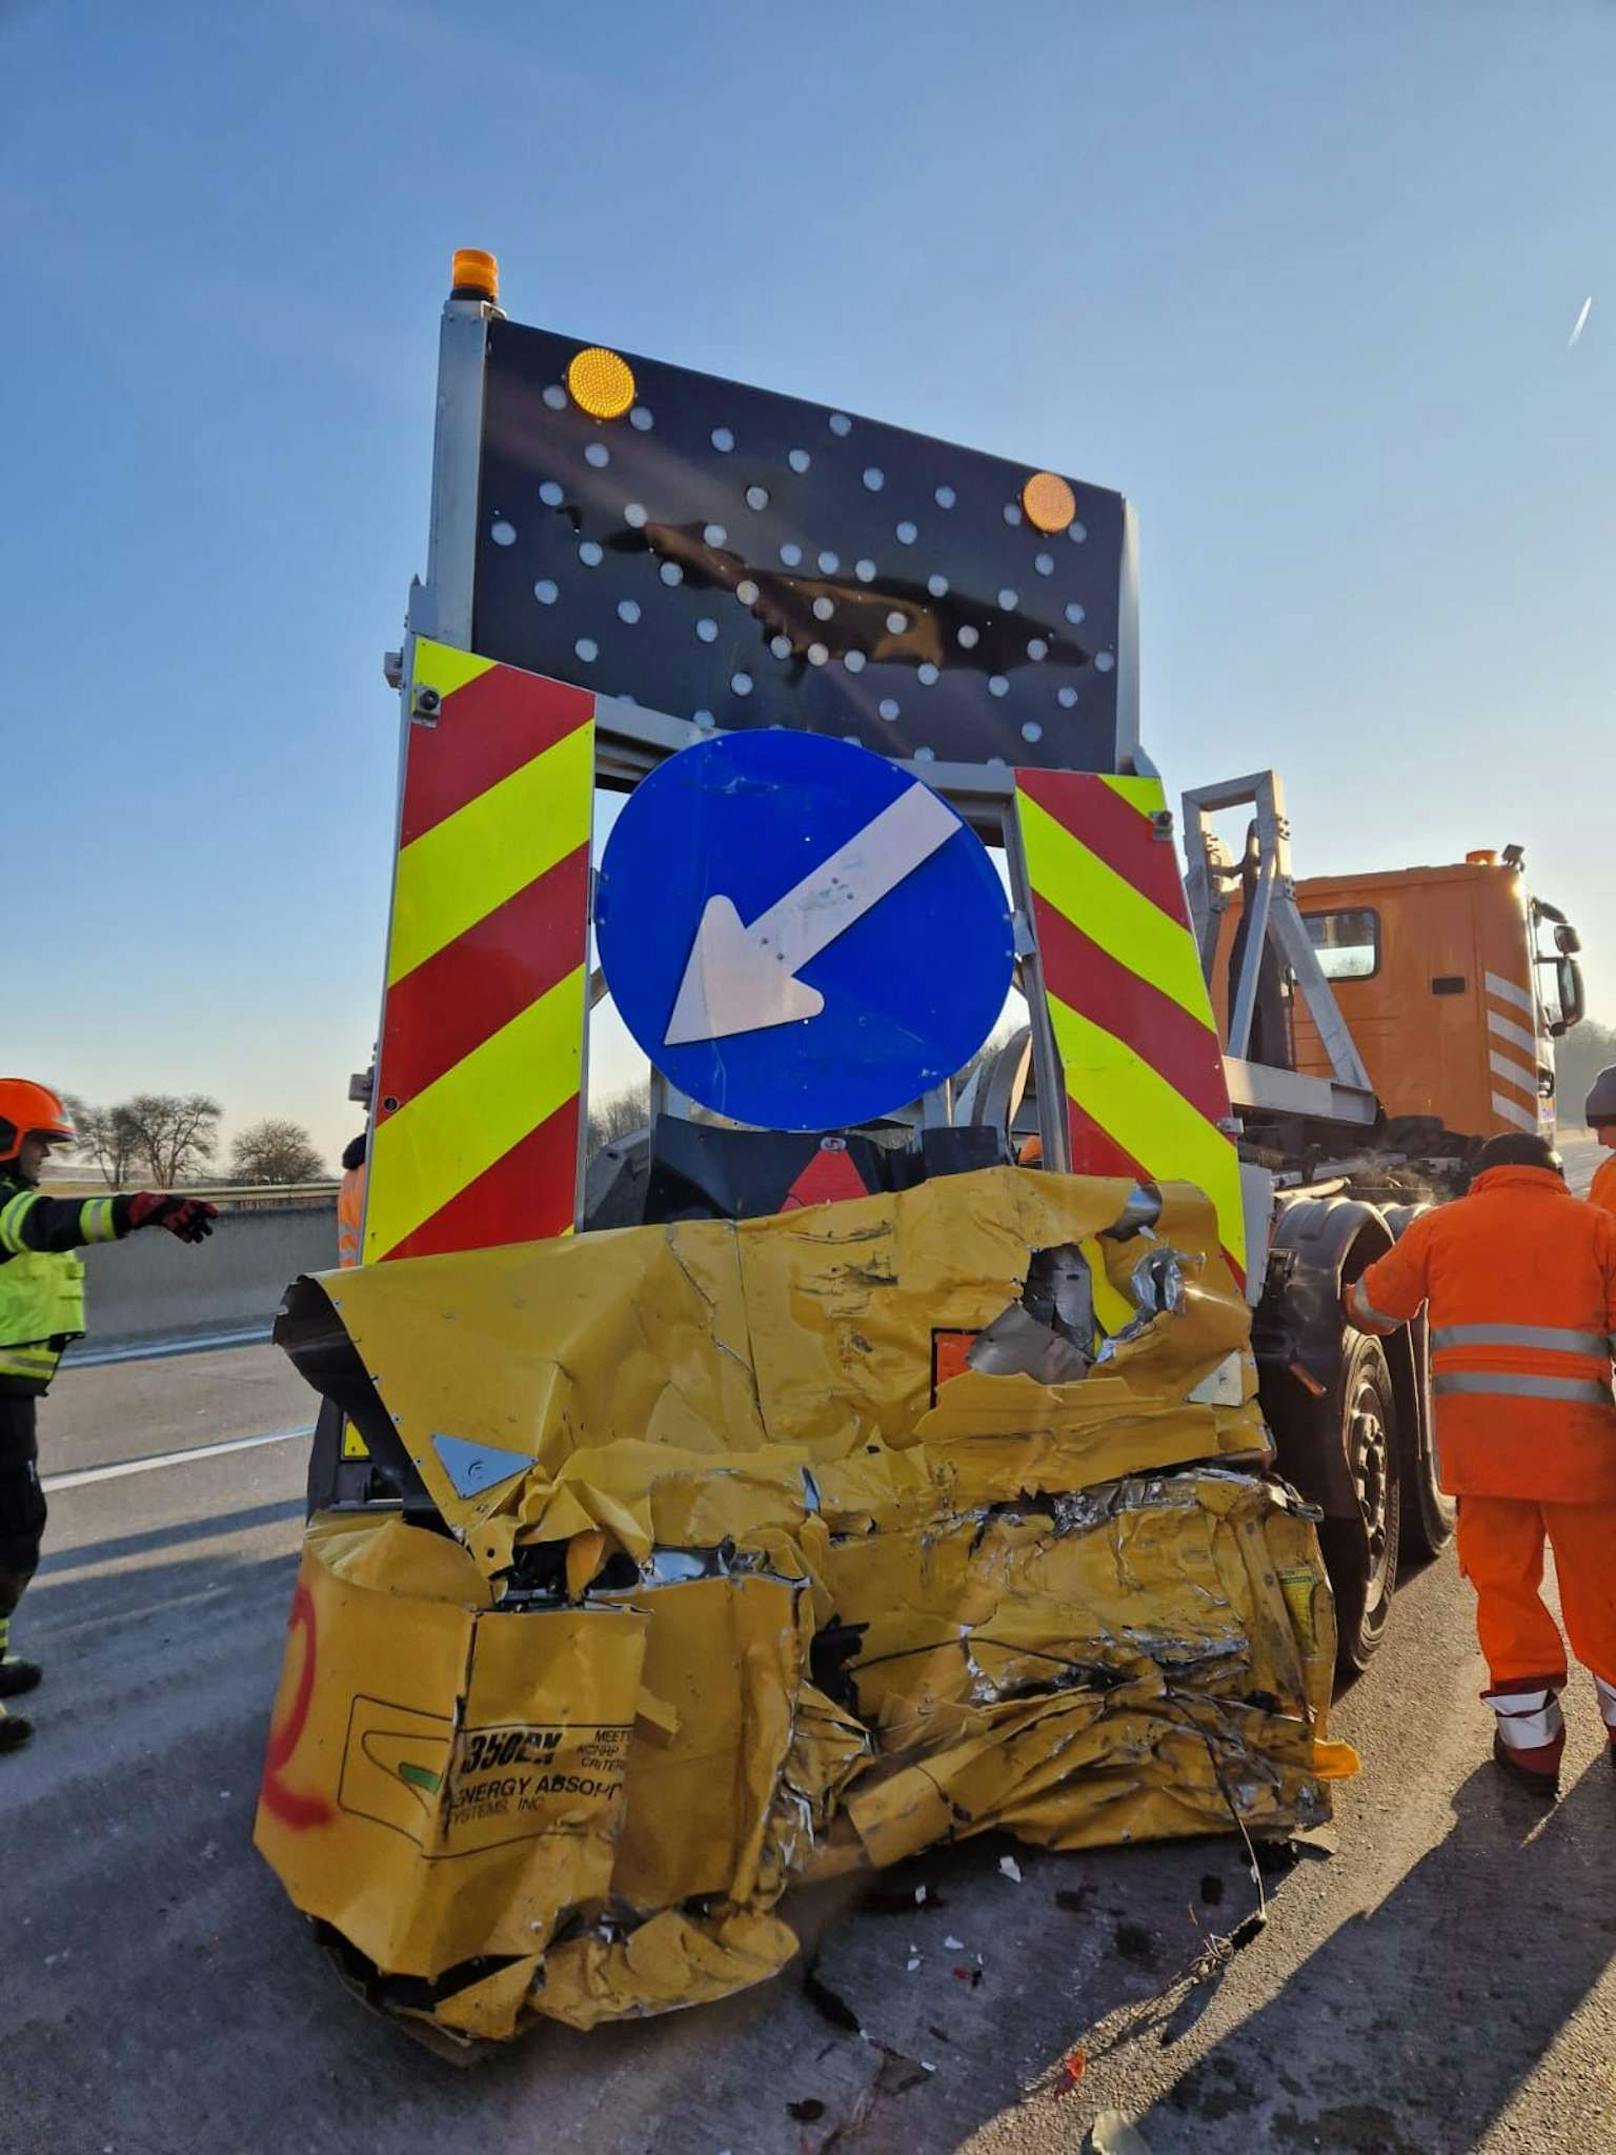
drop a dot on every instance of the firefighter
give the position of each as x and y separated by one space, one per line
351 1201
1600 1114
1519 1279
41 1309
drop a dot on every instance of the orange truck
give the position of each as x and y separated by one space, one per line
1379 1029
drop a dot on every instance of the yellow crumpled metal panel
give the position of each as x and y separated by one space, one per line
1080 1612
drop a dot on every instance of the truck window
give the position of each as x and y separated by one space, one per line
1348 942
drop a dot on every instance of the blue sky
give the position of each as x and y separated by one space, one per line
1297 280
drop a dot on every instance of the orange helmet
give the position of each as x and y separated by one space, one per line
30 1110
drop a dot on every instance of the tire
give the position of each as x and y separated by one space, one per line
1361 1554
1429 1517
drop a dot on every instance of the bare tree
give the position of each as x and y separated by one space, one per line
176 1134
109 1137
275 1151
618 1115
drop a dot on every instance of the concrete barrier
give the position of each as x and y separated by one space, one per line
151 1285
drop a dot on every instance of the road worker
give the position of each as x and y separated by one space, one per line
1600 1114
41 1310
351 1201
1519 1282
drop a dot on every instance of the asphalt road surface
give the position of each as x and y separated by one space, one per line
1441 1982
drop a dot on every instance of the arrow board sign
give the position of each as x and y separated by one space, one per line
799 934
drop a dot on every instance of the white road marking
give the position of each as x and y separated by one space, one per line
82 1476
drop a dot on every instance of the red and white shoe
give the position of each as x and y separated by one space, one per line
1531 1734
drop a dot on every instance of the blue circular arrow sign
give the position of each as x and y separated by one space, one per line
798 933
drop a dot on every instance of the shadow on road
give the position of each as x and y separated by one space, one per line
1371 2046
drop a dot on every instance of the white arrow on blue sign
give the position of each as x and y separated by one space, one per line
798 933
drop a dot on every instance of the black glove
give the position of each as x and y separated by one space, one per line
191 1218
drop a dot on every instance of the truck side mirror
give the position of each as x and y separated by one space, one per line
1567 941
1573 1004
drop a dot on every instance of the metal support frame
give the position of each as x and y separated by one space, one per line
1348 1096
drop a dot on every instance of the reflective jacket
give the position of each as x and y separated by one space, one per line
1520 1281
350 1214
1603 1191
41 1281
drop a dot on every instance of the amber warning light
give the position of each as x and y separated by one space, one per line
475 275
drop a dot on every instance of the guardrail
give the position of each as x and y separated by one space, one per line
228 1196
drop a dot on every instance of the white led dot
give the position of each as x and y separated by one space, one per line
634 515
780 646
854 661
1077 533
1032 731
864 571
714 534
1012 515
1044 564
874 478
598 454
671 573
1009 599
840 423
889 707
998 685
817 654
556 397
907 533
587 649
551 495
937 586
628 610
897 622
741 683
926 673
757 497
546 591
723 440
829 563
799 459
824 608
925 755
945 497
791 553
707 629
591 554
1037 648
640 419
1074 613
1067 699
502 532
746 591
1103 662
703 718
968 638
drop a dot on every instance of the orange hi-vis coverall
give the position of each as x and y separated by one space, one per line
1519 1279
350 1215
1603 1191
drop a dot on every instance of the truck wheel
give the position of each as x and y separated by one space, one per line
1429 1517
1361 1553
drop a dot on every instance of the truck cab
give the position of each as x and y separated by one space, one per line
1454 983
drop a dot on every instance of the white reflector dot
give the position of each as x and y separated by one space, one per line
551 495
1032 731
799 459
854 661
945 497
897 622
546 591
671 573
968 638
707 630
723 440
757 497
587 649
591 554
998 685
502 532
598 454
907 533
841 424
889 707
634 516
628 610
824 608
791 553
1103 662
741 683
874 478
926 673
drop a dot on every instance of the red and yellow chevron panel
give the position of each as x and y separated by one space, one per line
1132 1019
475 1138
